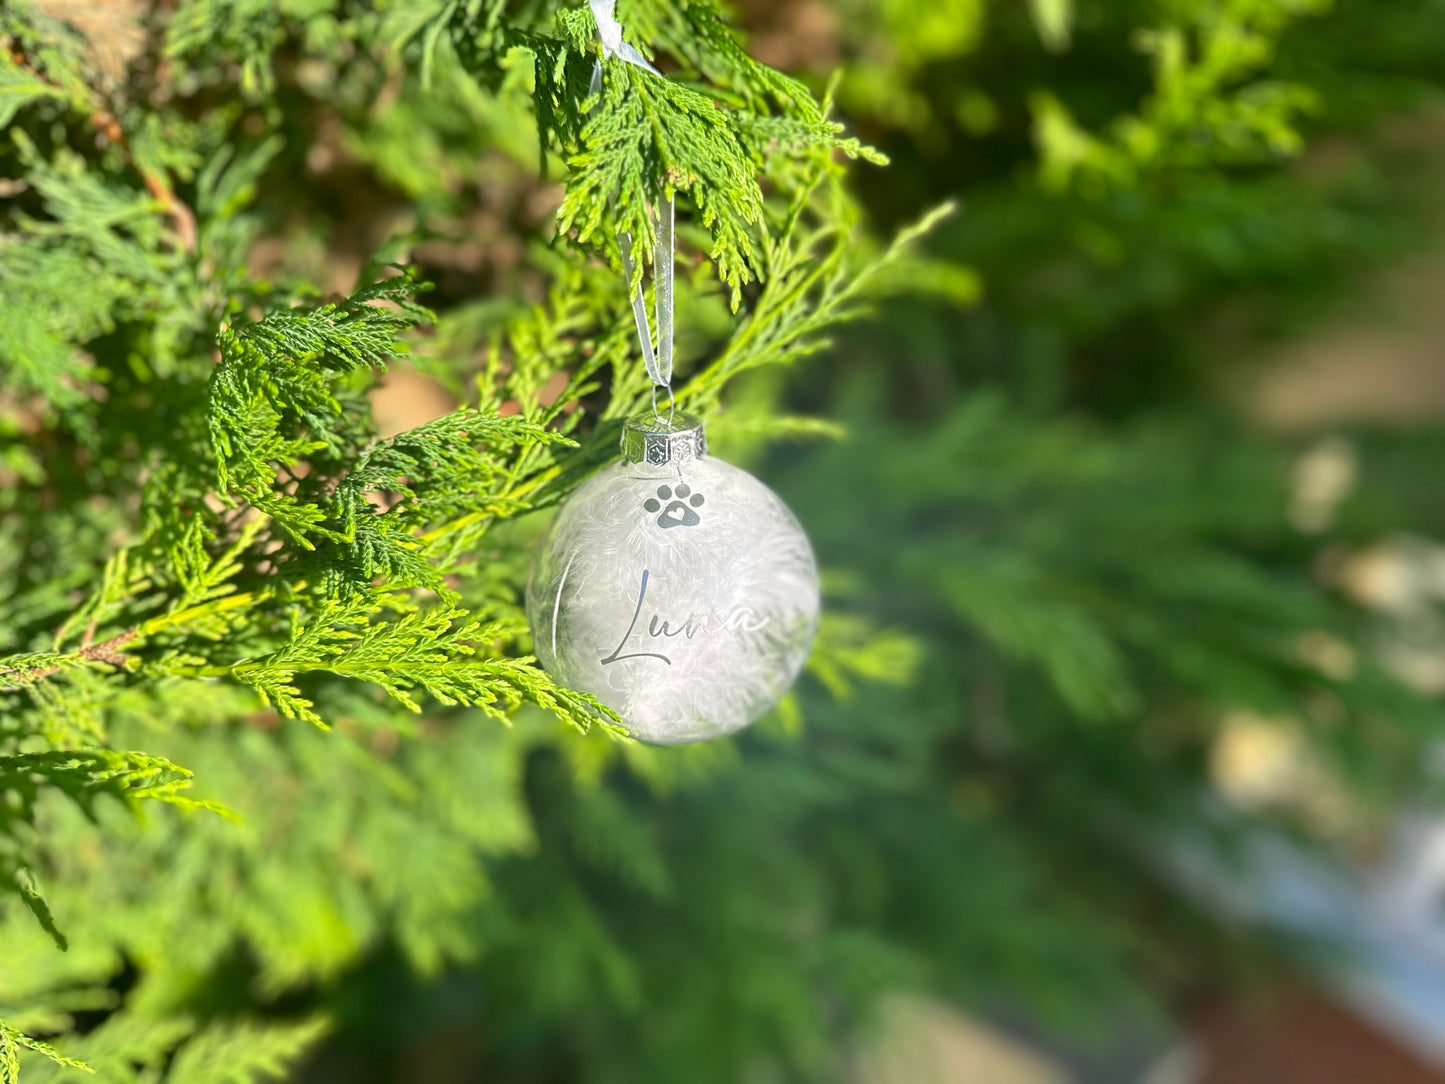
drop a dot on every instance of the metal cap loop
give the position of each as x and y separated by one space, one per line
661 442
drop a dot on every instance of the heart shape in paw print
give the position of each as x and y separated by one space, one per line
673 503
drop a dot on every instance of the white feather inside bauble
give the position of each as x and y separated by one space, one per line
683 596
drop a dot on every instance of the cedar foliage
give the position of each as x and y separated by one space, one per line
209 552
209 499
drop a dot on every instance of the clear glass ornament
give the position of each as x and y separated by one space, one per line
676 588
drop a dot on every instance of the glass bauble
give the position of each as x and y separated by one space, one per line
676 588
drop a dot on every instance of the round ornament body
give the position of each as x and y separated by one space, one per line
683 595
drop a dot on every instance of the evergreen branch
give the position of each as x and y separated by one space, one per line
211 32
22 82
204 582
17 671
457 466
23 881
245 1052
1010 603
274 400
82 774
12 1042
203 578
434 650
19 86
273 397
20 670
1203 109
697 31
42 58
811 288
98 257
646 139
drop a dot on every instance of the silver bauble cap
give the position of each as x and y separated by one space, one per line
660 442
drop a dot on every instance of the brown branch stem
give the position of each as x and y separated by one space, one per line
106 651
107 124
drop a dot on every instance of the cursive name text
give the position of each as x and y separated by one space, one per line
659 626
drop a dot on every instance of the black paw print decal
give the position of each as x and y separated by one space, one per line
677 513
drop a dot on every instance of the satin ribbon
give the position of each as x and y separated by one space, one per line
659 364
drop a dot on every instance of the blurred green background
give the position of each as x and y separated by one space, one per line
1143 475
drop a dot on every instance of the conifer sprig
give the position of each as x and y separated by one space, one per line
445 651
459 466
12 1042
815 283
85 774
648 138
273 399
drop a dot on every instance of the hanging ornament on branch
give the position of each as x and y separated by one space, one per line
676 588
